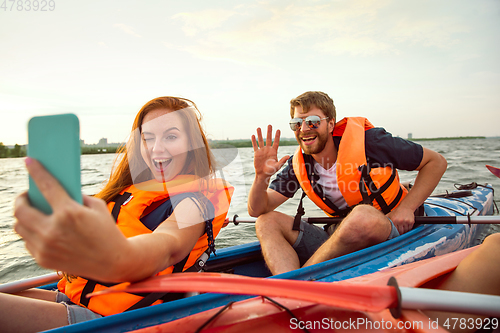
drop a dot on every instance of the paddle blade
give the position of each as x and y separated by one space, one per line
338 294
494 170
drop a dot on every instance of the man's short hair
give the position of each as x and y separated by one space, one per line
314 98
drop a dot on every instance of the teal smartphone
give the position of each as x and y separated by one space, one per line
55 142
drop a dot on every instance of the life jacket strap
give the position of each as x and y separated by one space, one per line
89 288
376 193
299 214
362 187
396 200
149 299
120 200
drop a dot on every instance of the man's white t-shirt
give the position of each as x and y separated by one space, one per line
328 181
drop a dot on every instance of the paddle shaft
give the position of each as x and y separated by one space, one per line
449 301
354 296
16 286
418 219
361 298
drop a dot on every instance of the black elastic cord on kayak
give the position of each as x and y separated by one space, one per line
474 185
466 187
214 316
231 303
449 208
286 309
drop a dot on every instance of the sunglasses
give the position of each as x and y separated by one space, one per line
312 121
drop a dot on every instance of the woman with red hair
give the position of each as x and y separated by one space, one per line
166 208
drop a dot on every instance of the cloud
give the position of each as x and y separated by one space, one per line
204 20
436 33
357 28
362 45
128 30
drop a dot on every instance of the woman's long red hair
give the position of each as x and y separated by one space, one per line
199 161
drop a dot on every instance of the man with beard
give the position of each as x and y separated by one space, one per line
348 169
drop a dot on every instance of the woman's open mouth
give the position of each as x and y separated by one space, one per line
161 164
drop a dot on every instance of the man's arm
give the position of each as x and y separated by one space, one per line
430 171
262 200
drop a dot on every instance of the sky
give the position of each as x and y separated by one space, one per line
426 67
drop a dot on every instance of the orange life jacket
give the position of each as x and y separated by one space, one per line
379 186
127 209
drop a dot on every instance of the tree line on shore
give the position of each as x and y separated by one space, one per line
16 151
20 151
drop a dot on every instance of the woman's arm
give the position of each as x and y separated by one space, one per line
83 239
171 242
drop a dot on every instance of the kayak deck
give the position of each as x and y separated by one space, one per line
262 314
422 242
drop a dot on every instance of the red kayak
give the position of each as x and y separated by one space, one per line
283 314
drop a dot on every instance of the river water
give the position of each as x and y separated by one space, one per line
466 163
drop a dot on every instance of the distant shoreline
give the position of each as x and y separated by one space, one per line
20 151
245 143
448 138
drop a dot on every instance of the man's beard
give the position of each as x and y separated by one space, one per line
318 146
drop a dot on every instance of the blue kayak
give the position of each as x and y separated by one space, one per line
424 241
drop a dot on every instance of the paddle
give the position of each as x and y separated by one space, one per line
16 286
353 296
418 219
494 170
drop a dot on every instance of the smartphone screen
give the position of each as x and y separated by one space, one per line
55 142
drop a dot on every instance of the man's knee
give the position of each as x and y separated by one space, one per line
275 224
268 222
367 223
365 211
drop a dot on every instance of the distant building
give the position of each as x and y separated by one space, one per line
410 136
103 142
